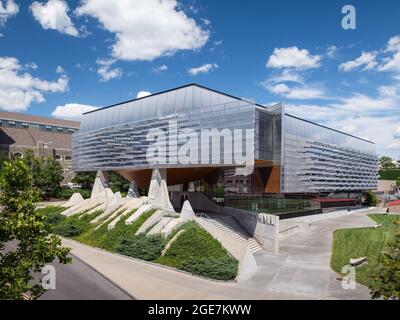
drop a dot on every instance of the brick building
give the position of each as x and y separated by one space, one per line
47 137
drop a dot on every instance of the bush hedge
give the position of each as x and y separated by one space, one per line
389 174
196 251
142 247
75 225
110 239
67 193
52 215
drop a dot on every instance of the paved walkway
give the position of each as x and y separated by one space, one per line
301 271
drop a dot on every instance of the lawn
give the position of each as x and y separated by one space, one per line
195 250
360 242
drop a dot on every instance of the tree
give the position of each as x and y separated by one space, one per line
369 198
386 163
46 174
387 281
398 182
118 183
84 178
26 244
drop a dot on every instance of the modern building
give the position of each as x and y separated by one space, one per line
46 137
289 154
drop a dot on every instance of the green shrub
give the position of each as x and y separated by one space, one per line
67 193
52 215
389 174
369 198
196 251
110 239
68 230
75 225
142 247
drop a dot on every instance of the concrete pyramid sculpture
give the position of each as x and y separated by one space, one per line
158 190
100 184
75 199
187 212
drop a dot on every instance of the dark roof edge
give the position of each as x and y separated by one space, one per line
326 127
173 89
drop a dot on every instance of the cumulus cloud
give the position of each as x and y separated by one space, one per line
367 60
161 68
392 64
205 68
72 111
145 29
331 52
106 72
8 9
286 75
142 94
393 44
31 65
60 70
296 92
54 15
18 90
293 57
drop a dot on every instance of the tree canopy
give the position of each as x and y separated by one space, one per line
26 244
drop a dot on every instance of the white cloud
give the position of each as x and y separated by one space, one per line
313 112
54 15
393 44
8 9
205 68
293 57
18 90
216 44
31 65
367 60
392 64
331 52
72 111
60 70
393 146
287 75
145 29
297 92
161 68
365 104
105 71
142 94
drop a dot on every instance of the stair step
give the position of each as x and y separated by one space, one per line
234 229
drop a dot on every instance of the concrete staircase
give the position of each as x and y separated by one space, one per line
231 227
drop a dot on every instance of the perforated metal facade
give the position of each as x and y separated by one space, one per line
311 158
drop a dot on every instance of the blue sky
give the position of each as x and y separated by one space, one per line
59 58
